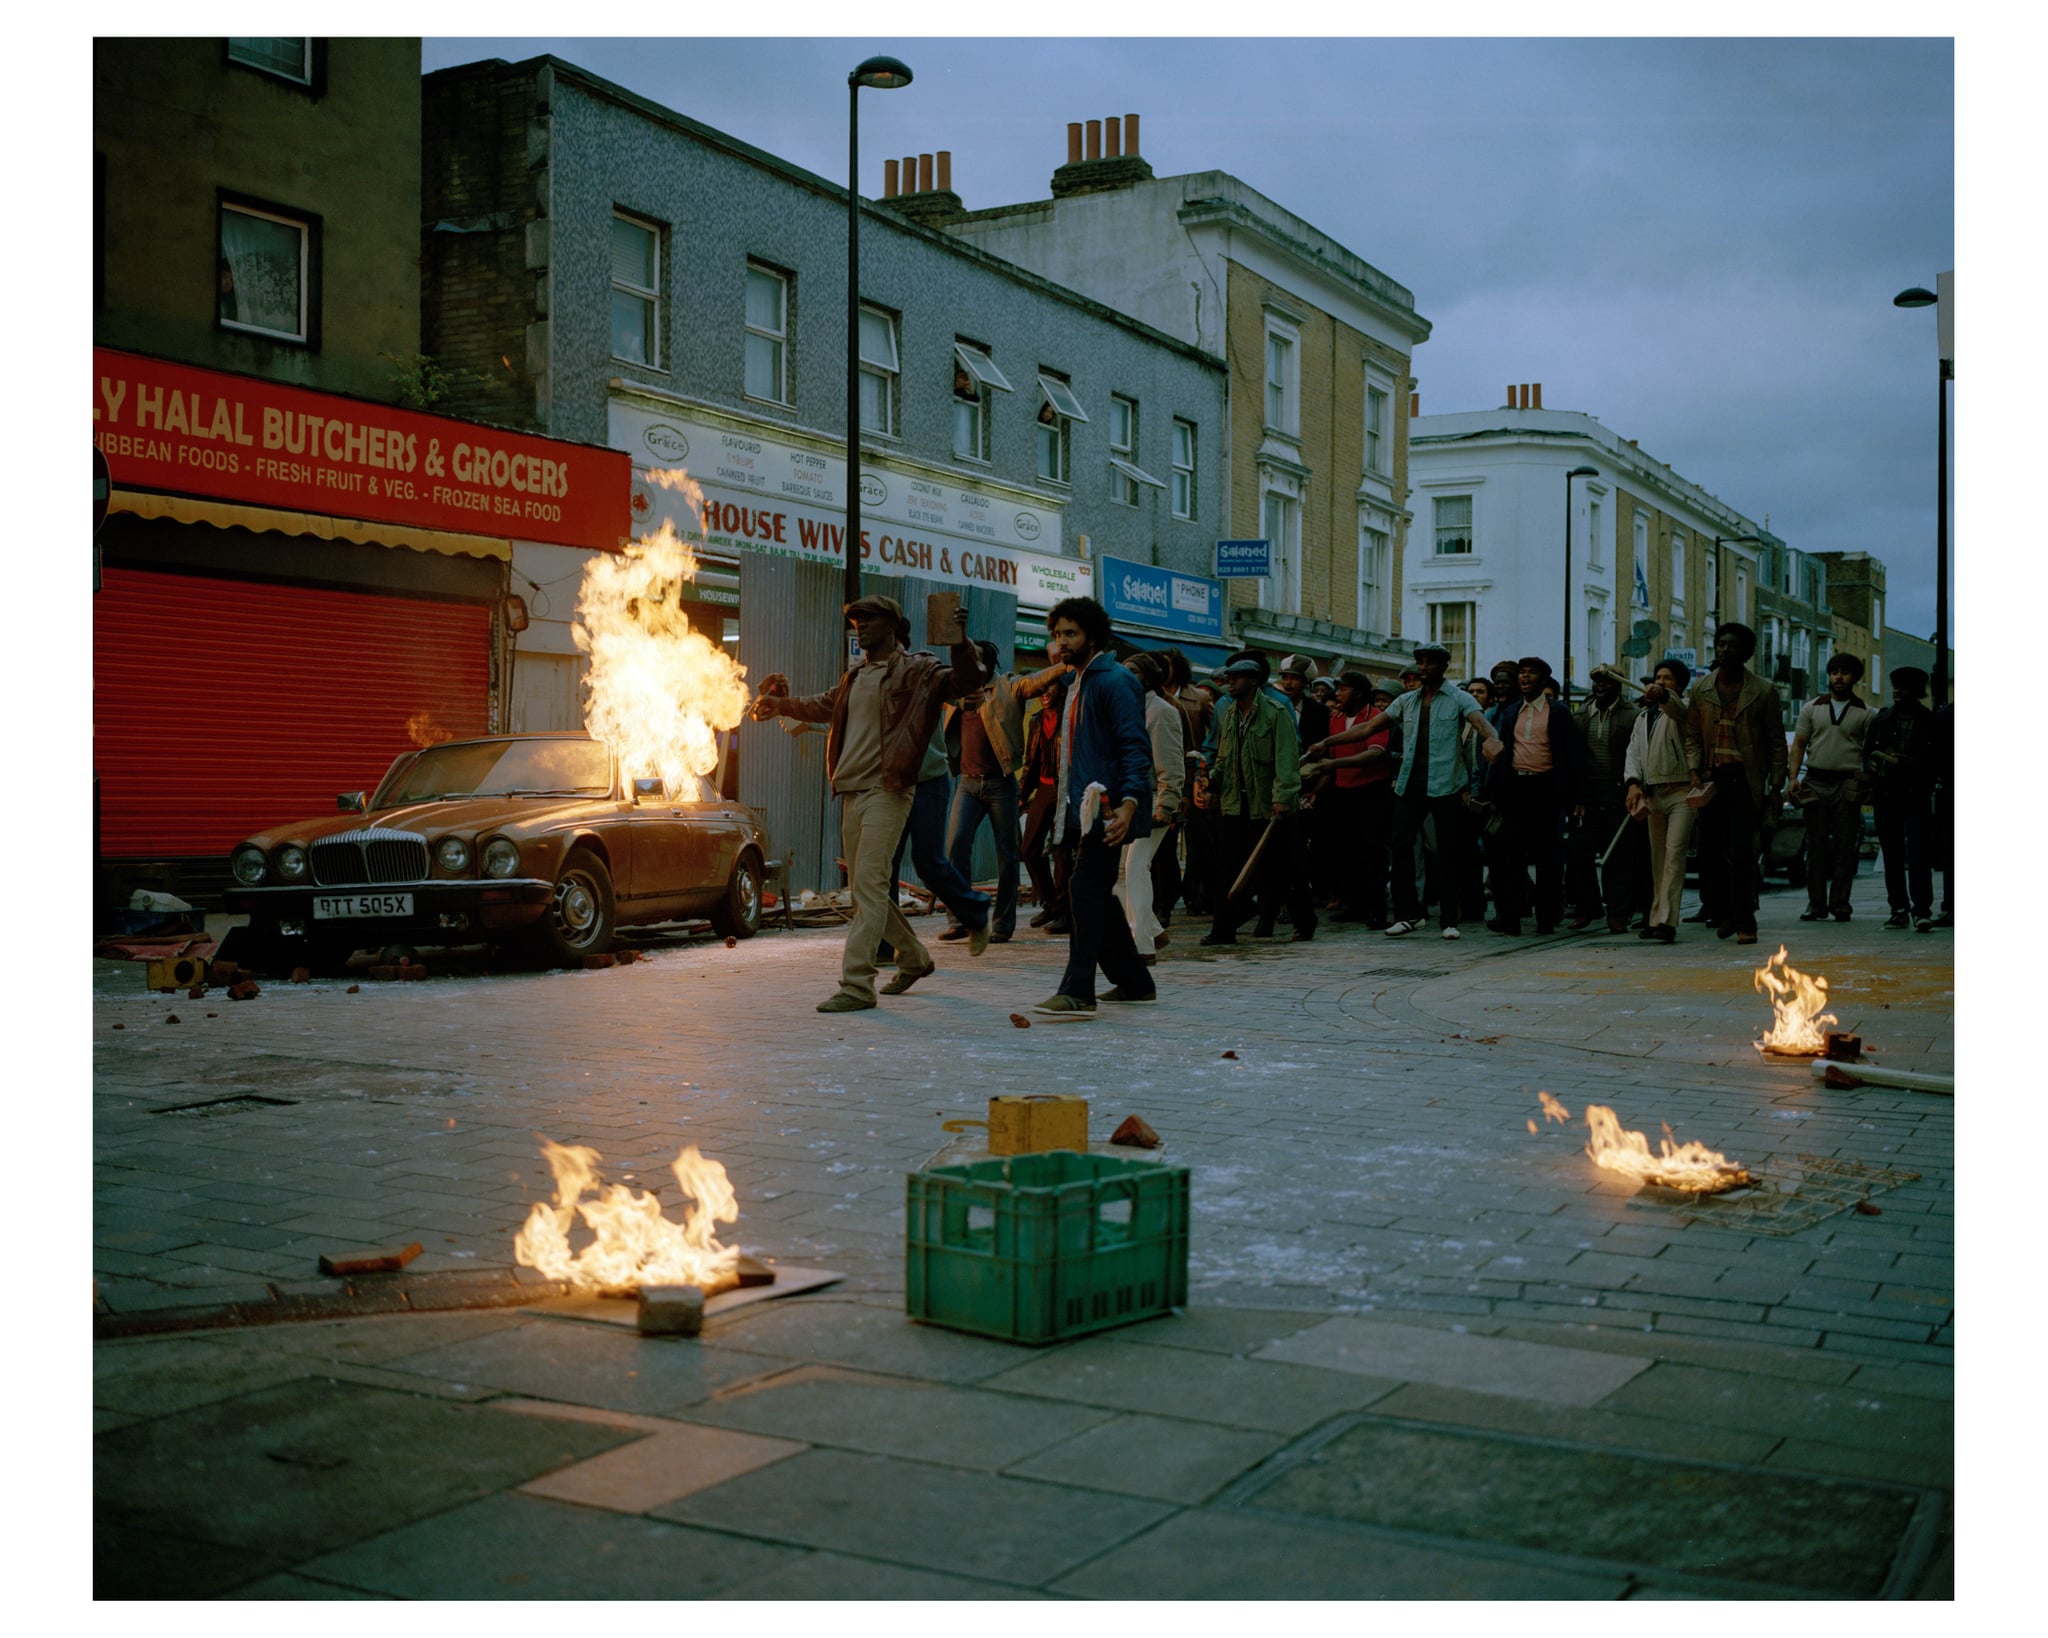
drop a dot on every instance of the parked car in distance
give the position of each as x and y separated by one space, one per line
536 840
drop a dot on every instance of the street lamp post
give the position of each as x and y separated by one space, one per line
1714 613
1576 472
1937 682
880 74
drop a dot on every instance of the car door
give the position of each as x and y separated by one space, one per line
671 859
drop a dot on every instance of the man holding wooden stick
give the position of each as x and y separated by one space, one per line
1255 777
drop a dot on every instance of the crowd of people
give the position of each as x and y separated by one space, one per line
1129 789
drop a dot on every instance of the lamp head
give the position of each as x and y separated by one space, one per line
1582 472
1915 297
880 74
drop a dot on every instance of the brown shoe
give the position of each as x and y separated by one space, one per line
903 980
1745 938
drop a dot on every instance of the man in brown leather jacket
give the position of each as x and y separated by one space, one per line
1735 735
882 713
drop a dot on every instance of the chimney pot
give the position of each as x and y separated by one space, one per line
1073 142
888 179
1414 405
1113 137
945 170
910 173
924 173
1511 395
1095 139
1538 390
1130 133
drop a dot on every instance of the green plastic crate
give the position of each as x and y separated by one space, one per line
1038 1248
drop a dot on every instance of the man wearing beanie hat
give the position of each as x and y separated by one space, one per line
882 713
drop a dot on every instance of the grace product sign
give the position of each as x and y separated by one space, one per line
768 495
183 430
1243 559
1138 594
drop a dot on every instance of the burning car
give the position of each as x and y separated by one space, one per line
538 840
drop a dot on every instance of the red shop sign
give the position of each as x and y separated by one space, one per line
184 430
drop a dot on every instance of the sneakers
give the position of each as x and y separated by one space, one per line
1924 925
842 1002
1451 932
1896 922
1064 1008
977 940
1396 929
1812 912
1118 995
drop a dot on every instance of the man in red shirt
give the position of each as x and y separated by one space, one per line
1361 794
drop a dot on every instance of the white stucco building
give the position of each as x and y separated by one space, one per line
1656 561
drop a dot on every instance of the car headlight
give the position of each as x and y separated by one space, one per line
249 865
501 858
453 853
291 863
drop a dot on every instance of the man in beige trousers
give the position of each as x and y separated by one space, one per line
882 715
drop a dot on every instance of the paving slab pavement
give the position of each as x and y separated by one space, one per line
1377 1235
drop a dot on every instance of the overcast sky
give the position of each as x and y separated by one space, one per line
1696 241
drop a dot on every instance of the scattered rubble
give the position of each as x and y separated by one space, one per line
369 1260
1134 1133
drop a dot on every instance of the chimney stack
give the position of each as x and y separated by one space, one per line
946 184
924 192
1096 167
888 179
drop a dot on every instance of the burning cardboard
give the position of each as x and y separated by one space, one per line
1797 1019
632 1246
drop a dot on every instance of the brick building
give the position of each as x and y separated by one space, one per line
1319 345
283 515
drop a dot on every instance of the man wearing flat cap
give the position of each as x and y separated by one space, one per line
882 713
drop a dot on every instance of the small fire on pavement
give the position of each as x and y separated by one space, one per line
632 1244
1690 1167
1798 1025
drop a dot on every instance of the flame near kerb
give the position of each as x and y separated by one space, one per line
656 691
632 1244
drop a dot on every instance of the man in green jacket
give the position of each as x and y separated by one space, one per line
1254 777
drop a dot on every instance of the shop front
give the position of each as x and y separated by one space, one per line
293 588
768 506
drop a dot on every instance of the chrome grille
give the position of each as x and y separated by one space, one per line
358 857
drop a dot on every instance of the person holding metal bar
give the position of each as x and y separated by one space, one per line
1603 871
1659 777
1431 782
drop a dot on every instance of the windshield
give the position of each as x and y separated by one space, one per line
501 767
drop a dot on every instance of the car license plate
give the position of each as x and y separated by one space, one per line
344 906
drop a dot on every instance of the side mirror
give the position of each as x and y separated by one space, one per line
350 802
645 789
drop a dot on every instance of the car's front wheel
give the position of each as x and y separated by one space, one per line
739 916
582 916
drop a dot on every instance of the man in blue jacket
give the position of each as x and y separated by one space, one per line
1532 785
1102 800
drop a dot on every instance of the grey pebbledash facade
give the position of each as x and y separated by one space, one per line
526 166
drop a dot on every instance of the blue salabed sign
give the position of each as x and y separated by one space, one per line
1138 594
1243 559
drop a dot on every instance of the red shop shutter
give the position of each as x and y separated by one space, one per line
224 706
